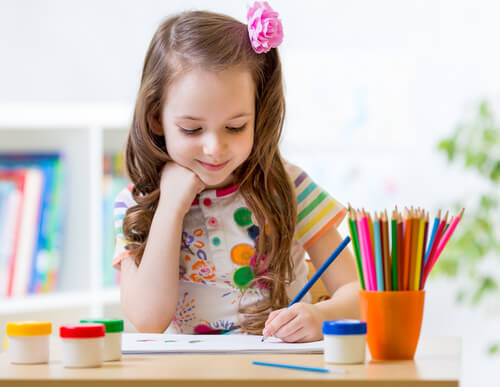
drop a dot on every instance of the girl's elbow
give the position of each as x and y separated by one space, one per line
150 325
147 322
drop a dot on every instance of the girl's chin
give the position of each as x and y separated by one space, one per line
211 182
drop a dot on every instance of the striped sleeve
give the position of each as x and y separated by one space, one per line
123 201
316 209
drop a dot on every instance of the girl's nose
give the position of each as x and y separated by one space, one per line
214 146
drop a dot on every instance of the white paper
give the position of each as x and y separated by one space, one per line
229 343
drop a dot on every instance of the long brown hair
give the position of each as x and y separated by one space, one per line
217 42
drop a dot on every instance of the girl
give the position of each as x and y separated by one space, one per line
212 234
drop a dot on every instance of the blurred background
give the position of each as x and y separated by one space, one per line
388 103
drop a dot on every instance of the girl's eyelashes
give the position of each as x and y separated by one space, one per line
189 131
230 128
237 129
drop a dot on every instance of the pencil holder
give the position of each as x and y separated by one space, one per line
393 319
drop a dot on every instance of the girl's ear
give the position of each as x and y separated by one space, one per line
155 125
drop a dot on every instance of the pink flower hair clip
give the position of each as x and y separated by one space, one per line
264 27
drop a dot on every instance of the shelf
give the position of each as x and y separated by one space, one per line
81 133
65 116
55 301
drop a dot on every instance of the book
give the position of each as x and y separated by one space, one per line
17 177
46 255
113 182
9 202
28 230
228 343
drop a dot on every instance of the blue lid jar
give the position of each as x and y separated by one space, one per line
344 327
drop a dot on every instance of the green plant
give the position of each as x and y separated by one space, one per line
475 145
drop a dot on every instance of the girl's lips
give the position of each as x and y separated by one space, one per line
213 167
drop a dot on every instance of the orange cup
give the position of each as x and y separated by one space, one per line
393 320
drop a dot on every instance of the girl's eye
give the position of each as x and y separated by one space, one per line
195 131
236 129
189 131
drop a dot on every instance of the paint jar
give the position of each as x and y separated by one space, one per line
344 341
28 341
113 338
83 345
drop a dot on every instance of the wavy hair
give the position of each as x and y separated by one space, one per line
217 42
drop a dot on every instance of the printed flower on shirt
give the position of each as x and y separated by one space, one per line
203 272
184 312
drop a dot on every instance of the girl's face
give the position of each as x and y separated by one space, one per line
208 123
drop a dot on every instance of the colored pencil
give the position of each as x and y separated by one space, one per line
320 271
424 247
444 240
294 367
397 254
355 242
418 255
407 250
394 250
439 234
364 254
369 251
400 251
370 227
379 266
413 250
433 235
386 252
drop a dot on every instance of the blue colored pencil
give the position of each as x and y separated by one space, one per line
320 271
433 235
293 367
378 254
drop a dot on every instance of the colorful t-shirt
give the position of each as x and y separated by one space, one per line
217 252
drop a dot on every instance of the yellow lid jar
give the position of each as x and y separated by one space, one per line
28 341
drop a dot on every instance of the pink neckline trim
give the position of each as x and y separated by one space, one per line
219 193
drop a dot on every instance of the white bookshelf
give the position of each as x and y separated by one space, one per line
81 133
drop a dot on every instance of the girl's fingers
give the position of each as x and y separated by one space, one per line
272 316
289 330
296 337
283 318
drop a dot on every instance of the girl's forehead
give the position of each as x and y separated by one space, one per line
204 87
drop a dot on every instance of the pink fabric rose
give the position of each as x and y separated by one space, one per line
264 27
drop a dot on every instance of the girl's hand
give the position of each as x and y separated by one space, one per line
299 323
179 186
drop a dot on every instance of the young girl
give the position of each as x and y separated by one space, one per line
212 234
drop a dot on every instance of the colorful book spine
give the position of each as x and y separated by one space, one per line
40 193
113 182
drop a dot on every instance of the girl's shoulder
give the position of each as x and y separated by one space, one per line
124 198
293 170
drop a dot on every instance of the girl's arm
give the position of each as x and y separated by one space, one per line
149 291
302 321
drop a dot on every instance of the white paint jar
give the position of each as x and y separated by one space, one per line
113 338
82 345
344 341
28 341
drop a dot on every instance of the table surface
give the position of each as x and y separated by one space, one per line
437 363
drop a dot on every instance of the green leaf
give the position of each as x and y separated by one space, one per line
490 136
494 349
448 146
495 172
484 109
487 284
460 296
